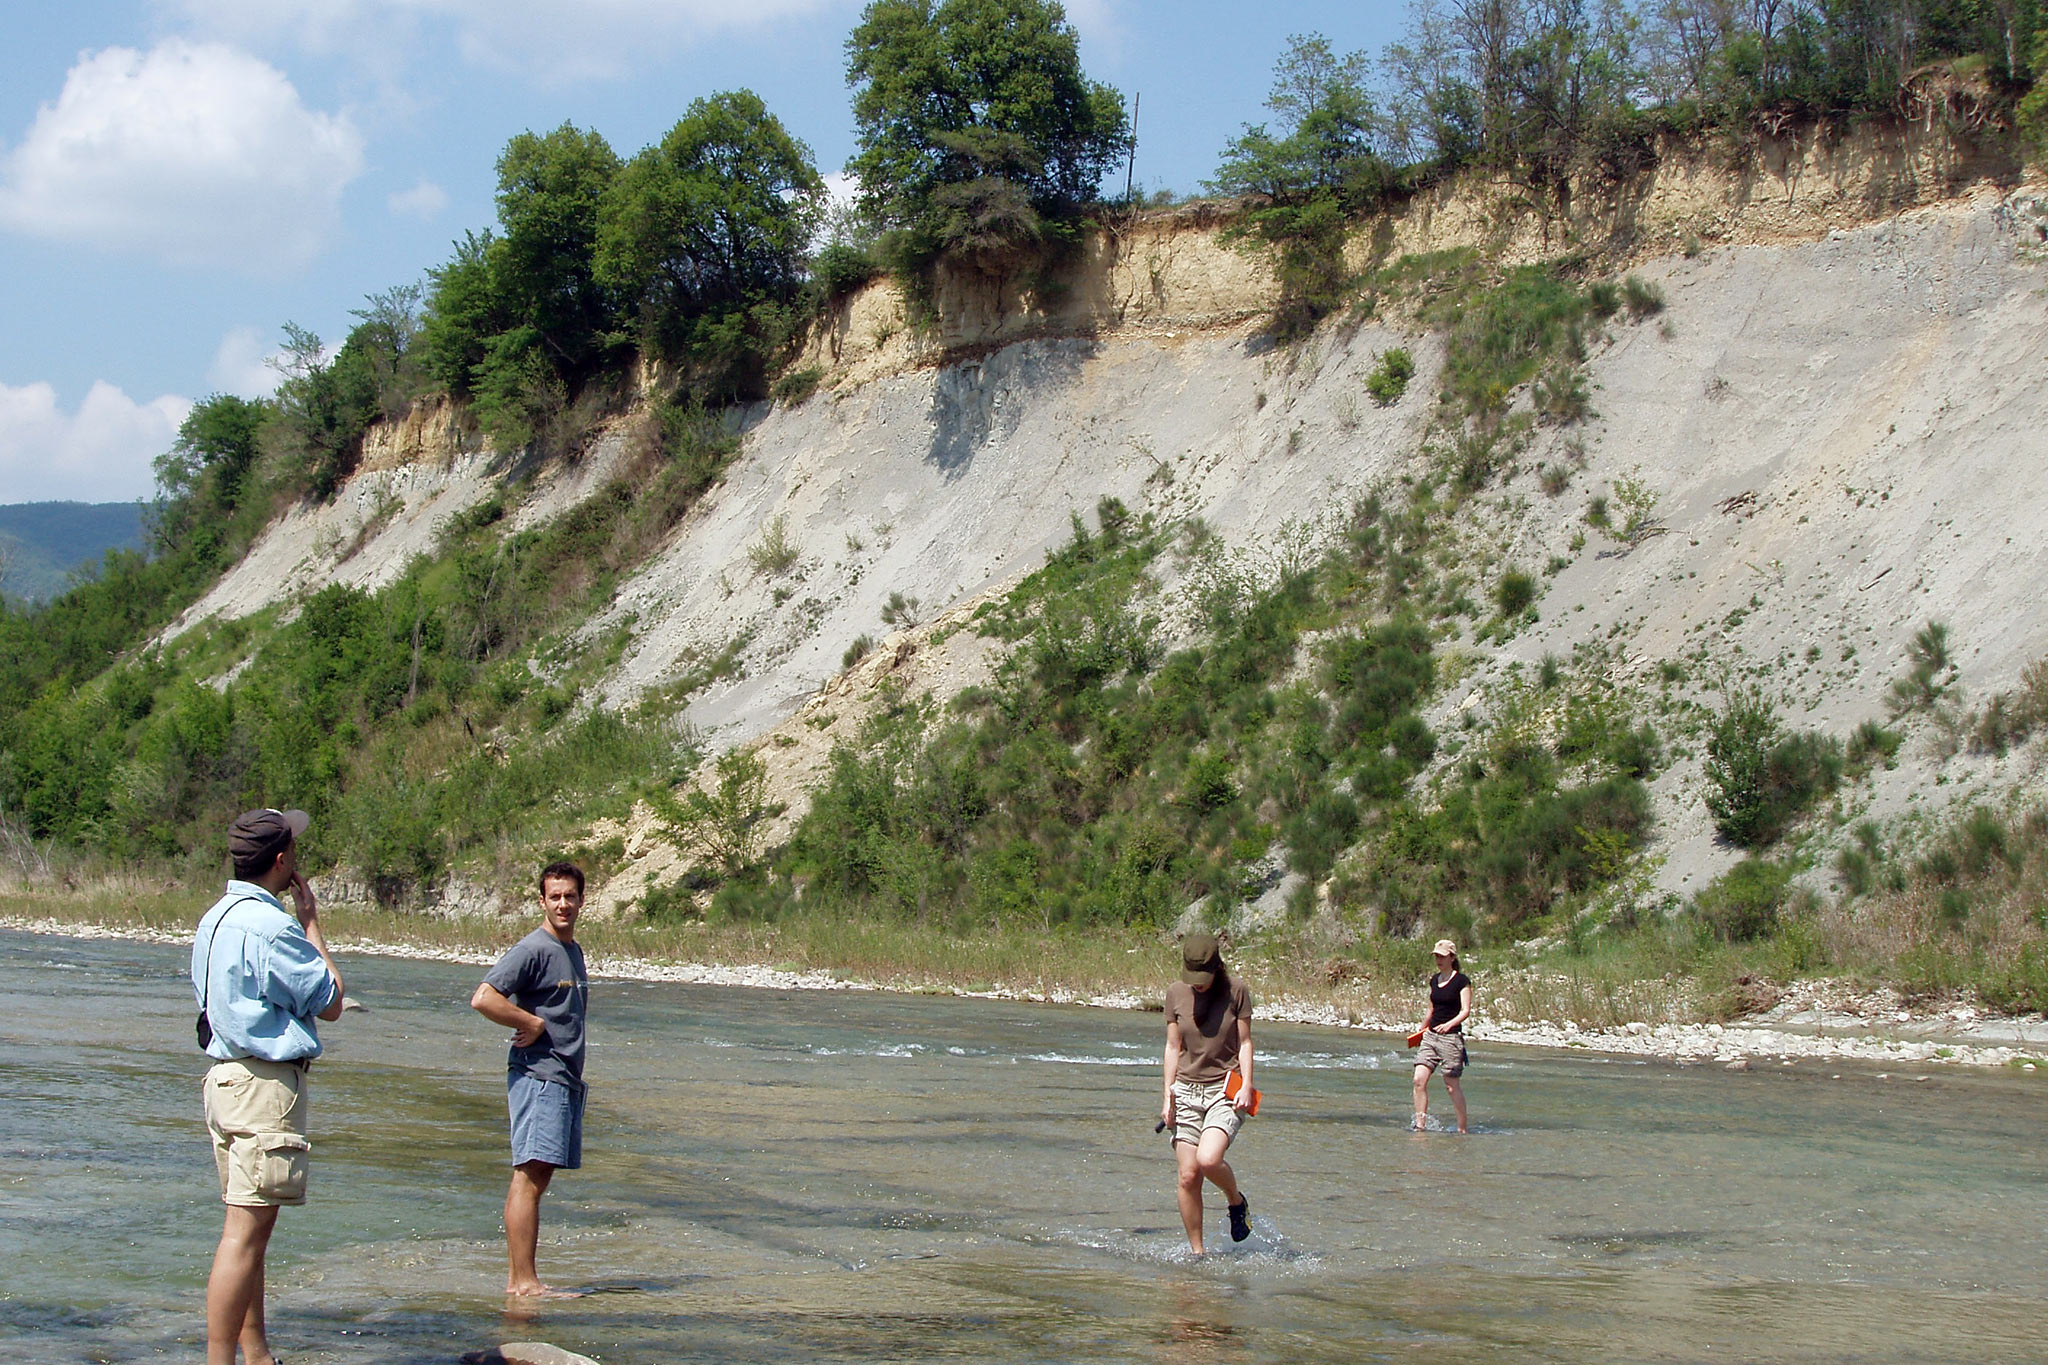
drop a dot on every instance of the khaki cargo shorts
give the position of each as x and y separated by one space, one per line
1197 1106
1443 1052
256 1113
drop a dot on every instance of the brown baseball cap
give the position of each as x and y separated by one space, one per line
1200 960
265 833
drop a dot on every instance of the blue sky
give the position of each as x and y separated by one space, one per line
178 178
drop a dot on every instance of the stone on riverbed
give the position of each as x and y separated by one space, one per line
526 1353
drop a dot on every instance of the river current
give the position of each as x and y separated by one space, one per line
852 1176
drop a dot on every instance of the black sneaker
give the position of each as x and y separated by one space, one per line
1240 1219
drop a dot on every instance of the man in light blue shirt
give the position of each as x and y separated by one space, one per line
261 977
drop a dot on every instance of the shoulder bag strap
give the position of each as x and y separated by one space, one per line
206 977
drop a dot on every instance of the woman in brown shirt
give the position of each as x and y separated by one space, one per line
1208 1036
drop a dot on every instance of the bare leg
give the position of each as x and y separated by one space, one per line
522 1226
1189 1193
1457 1099
255 1344
234 1290
1421 1098
1209 1156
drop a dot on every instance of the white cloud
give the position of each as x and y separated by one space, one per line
424 201
195 153
1102 33
244 366
100 453
552 41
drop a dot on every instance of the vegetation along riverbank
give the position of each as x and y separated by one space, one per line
1598 1006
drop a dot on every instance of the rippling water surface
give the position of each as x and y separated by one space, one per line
860 1177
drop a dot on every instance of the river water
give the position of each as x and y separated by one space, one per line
849 1176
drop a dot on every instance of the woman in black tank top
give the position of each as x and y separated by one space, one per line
1442 1034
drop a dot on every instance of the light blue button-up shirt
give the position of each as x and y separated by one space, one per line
261 979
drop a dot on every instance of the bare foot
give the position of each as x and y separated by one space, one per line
537 1290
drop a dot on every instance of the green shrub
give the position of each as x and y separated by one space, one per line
1870 744
723 818
2019 986
1929 670
1208 784
775 553
1743 902
794 386
1761 779
841 268
1636 752
2010 718
1737 760
1514 593
672 902
902 612
1641 298
1319 833
1853 866
1561 396
1389 379
1501 337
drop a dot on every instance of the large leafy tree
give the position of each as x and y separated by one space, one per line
549 190
975 120
701 238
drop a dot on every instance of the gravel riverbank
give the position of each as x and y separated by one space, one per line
1817 1020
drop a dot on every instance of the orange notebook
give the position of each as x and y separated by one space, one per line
1234 1083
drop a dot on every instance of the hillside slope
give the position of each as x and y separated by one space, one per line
1836 416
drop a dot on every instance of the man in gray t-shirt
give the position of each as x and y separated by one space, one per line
539 990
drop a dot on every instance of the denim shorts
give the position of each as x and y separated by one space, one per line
547 1121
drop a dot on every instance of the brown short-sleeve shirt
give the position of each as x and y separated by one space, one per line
1208 1027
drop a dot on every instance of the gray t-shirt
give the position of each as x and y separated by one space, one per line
544 975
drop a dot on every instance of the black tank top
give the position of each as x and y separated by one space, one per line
1444 1001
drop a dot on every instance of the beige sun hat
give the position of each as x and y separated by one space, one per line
1445 948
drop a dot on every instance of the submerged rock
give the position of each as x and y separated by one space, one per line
526 1353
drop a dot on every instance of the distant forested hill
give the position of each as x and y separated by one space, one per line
41 543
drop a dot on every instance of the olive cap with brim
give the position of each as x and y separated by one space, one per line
259 834
1200 962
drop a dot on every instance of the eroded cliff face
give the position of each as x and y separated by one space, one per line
1172 271
1838 415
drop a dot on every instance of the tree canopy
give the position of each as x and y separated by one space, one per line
975 120
549 191
703 235
1326 131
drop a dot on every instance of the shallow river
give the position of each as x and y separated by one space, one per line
859 1177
